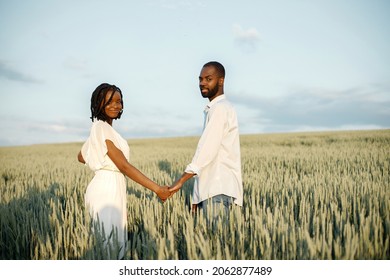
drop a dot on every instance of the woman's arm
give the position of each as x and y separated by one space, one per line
80 158
133 173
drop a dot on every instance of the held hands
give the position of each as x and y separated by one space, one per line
176 187
165 192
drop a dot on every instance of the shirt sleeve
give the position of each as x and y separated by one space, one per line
95 149
210 141
103 131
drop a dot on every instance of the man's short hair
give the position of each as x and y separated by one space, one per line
218 66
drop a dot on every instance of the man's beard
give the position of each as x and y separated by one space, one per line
211 92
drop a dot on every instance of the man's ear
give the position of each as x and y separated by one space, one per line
220 81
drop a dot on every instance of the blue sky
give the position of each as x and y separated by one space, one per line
291 65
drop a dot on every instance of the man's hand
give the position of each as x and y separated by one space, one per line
180 182
194 208
176 187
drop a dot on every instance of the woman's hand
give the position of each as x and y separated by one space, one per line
163 193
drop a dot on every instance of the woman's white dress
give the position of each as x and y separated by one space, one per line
106 193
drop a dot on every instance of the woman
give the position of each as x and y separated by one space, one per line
107 154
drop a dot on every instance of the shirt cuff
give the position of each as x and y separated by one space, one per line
192 169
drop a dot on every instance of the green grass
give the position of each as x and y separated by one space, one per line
318 195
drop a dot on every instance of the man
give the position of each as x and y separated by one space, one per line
217 160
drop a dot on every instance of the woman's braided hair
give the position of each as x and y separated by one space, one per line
98 101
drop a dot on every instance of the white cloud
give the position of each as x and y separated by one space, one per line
10 73
246 39
317 109
17 131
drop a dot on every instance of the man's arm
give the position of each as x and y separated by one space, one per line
210 142
180 182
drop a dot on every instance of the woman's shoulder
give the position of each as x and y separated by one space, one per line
100 127
99 124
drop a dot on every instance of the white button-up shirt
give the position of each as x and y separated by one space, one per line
217 160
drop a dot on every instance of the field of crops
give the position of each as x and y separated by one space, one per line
306 196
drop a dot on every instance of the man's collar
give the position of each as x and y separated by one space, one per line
215 100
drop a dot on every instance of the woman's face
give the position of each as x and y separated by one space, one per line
113 108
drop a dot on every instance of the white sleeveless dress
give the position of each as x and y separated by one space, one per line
105 196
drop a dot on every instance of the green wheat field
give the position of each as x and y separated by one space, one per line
307 196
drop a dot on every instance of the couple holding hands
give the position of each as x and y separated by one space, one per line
216 164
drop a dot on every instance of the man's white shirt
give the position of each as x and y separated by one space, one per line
217 160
